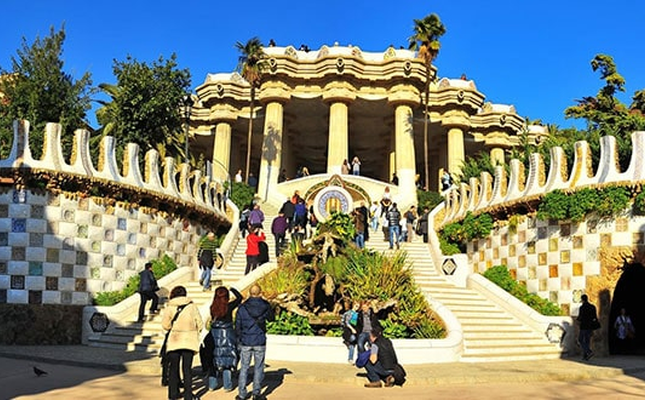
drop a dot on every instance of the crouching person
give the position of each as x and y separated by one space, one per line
382 362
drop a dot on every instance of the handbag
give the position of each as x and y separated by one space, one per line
362 359
595 324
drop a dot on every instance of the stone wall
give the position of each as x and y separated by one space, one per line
49 324
69 230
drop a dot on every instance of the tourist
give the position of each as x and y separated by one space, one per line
283 176
250 327
410 218
221 343
288 209
206 257
297 234
244 220
295 198
588 320
256 217
279 228
300 214
271 43
183 322
344 168
446 180
253 248
423 224
253 181
359 226
382 360
366 322
313 221
625 332
393 222
349 323
395 179
305 171
374 213
356 166
238 176
147 291
366 215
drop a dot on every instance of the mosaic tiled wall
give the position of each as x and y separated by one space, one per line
554 258
60 250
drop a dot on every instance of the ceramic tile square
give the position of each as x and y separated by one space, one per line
52 255
82 231
83 204
532 272
592 226
81 257
553 271
67 270
80 285
542 258
495 252
19 210
107 261
66 297
565 230
489 264
122 224
3 296
36 239
605 240
108 235
530 247
19 196
51 297
81 271
95 273
565 256
511 250
543 285
18 225
37 212
622 224
565 283
577 242
577 269
131 264
4 210
4 238
96 219
53 200
35 268
3 268
18 239
504 261
95 246
67 215
542 232
35 297
66 283
18 253
553 244
81 298
18 282
51 283
52 227
637 238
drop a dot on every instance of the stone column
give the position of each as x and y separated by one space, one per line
271 162
222 151
338 142
497 156
455 149
404 147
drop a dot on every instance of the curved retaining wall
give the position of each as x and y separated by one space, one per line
61 247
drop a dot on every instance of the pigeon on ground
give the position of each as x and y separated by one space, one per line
39 372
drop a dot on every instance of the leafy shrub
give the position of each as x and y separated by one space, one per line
455 235
639 204
500 276
428 199
448 248
340 224
606 202
160 268
287 323
241 194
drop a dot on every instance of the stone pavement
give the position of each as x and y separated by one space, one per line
74 369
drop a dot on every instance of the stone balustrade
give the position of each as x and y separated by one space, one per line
480 195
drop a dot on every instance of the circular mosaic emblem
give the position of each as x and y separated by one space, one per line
330 200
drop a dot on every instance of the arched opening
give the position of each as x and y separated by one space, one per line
628 295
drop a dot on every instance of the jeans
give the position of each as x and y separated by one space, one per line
186 357
227 379
145 296
376 372
360 240
363 337
206 278
585 341
374 223
350 355
395 231
251 263
258 369
279 243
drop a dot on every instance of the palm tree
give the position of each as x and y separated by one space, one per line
250 66
425 40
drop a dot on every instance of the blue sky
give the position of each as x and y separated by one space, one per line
532 54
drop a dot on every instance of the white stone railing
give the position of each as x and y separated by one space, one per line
173 183
480 195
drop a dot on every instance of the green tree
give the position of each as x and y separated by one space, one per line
145 105
425 40
251 66
39 90
605 113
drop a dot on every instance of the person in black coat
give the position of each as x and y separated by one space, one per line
288 209
219 350
588 320
382 360
147 290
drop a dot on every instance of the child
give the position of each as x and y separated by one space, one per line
349 322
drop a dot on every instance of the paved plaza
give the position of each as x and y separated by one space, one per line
78 371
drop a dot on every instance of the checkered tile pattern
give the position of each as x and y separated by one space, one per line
60 250
554 258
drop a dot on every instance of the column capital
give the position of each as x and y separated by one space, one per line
403 94
223 113
455 119
339 92
274 91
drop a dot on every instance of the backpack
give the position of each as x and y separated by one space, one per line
399 375
263 257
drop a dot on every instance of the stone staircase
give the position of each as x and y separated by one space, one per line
148 336
490 333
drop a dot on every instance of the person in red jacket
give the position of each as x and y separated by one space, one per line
253 249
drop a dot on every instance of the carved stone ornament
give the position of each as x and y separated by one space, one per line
340 64
99 322
449 266
407 68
